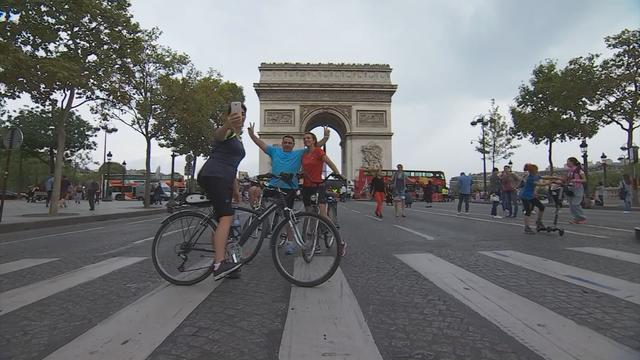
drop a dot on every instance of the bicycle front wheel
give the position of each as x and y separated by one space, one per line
182 252
308 261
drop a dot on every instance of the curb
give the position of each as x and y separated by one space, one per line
62 221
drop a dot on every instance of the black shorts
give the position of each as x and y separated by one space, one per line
528 205
289 198
220 192
308 192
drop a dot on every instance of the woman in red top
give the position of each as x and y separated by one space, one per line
312 162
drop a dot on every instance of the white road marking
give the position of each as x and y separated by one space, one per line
356 211
143 240
141 221
504 223
549 334
50 235
622 289
22 264
15 299
326 321
614 254
428 237
135 331
374 218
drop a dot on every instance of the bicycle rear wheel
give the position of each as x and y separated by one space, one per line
311 264
182 252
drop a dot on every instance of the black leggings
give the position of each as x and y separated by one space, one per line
528 205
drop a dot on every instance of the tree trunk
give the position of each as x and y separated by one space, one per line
635 200
551 157
147 176
52 160
60 134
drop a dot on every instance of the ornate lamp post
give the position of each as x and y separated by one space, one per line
107 192
603 157
583 149
173 165
124 173
510 164
482 122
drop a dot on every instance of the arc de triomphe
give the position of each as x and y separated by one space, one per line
352 99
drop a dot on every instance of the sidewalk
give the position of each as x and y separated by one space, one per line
19 215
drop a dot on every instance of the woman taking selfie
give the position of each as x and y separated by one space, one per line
217 177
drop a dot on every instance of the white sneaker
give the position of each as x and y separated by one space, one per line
496 216
627 212
459 213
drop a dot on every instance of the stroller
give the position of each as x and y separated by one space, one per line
556 194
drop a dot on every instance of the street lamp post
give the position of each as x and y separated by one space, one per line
124 173
107 194
510 164
107 130
603 157
583 149
173 165
482 122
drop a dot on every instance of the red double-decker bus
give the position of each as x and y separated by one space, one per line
416 181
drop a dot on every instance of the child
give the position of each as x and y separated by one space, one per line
529 199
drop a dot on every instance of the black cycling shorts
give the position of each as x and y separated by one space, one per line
528 205
220 193
289 198
319 191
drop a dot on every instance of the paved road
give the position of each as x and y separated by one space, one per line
433 285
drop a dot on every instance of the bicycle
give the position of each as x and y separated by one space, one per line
331 202
182 252
304 267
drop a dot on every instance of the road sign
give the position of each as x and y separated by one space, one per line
13 139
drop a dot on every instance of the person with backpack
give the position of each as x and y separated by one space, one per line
624 191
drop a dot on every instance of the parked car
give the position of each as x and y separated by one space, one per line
8 194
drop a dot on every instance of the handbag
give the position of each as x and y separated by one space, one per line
494 198
568 190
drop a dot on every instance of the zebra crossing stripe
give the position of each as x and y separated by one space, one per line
549 334
22 264
614 254
137 330
622 289
15 299
326 321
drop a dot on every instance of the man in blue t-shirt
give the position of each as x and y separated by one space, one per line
285 159
464 191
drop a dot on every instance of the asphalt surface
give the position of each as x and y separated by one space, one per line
407 313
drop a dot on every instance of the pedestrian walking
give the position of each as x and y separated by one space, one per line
464 192
428 192
574 190
92 189
509 182
378 192
625 193
495 186
399 184
77 194
65 184
48 187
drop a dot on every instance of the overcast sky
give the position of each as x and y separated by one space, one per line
449 58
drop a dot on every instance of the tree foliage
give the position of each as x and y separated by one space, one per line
38 127
548 109
141 101
192 107
64 54
498 141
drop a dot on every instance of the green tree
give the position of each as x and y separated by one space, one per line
192 107
38 128
498 141
545 109
618 98
141 102
65 54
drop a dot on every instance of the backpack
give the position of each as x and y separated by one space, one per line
622 191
